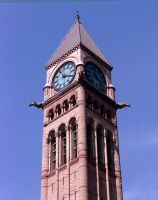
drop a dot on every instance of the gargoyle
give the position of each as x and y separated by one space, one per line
36 104
122 105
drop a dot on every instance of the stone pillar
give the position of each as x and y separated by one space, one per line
111 91
57 166
96 161
45 166
106 166
68 161
47 91
44 188
49 156
117 168
82 145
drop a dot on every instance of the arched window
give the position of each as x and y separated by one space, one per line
100 144
51 115
74 137
73 101
109 115
95 105
89 102
90 138
62 131
65 105
52 143
102 111
58 110
110 151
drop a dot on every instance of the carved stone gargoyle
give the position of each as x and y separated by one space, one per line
36 104
122 105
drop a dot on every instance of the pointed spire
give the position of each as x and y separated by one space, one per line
77 17
77 37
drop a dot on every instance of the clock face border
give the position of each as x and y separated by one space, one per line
95 76
59 71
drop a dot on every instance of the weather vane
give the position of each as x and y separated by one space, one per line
77 17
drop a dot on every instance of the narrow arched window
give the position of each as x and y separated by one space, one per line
110 151
74 137
95 105
89 102
51 115
62 131
58 110
73 101
102 111
90 139
100 144
52 143
109 115
65 105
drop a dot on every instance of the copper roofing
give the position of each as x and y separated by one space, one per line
77 36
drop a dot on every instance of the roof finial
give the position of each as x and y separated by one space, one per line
77 17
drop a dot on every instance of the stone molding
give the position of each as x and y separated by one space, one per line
82 47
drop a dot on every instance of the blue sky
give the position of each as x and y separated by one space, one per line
126 32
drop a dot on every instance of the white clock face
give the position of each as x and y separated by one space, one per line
64 76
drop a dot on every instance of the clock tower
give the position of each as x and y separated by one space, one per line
80 149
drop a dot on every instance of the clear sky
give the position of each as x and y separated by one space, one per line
127 34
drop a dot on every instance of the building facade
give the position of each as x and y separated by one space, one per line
80 150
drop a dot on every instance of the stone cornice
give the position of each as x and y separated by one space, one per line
100 94
48 66
60 94
106 64
75 85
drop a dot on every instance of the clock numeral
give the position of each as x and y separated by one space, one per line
66 82
59 86
55 80
57 75
62 69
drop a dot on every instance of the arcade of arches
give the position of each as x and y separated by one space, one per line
99 141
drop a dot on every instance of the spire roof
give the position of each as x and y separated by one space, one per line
77 36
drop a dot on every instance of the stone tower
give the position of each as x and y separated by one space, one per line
80 150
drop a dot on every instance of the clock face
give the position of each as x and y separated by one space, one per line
64 76
95 76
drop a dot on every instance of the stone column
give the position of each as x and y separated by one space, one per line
49 155
106 166
96 161
45 166
117 168
68 160
82 145
57 166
